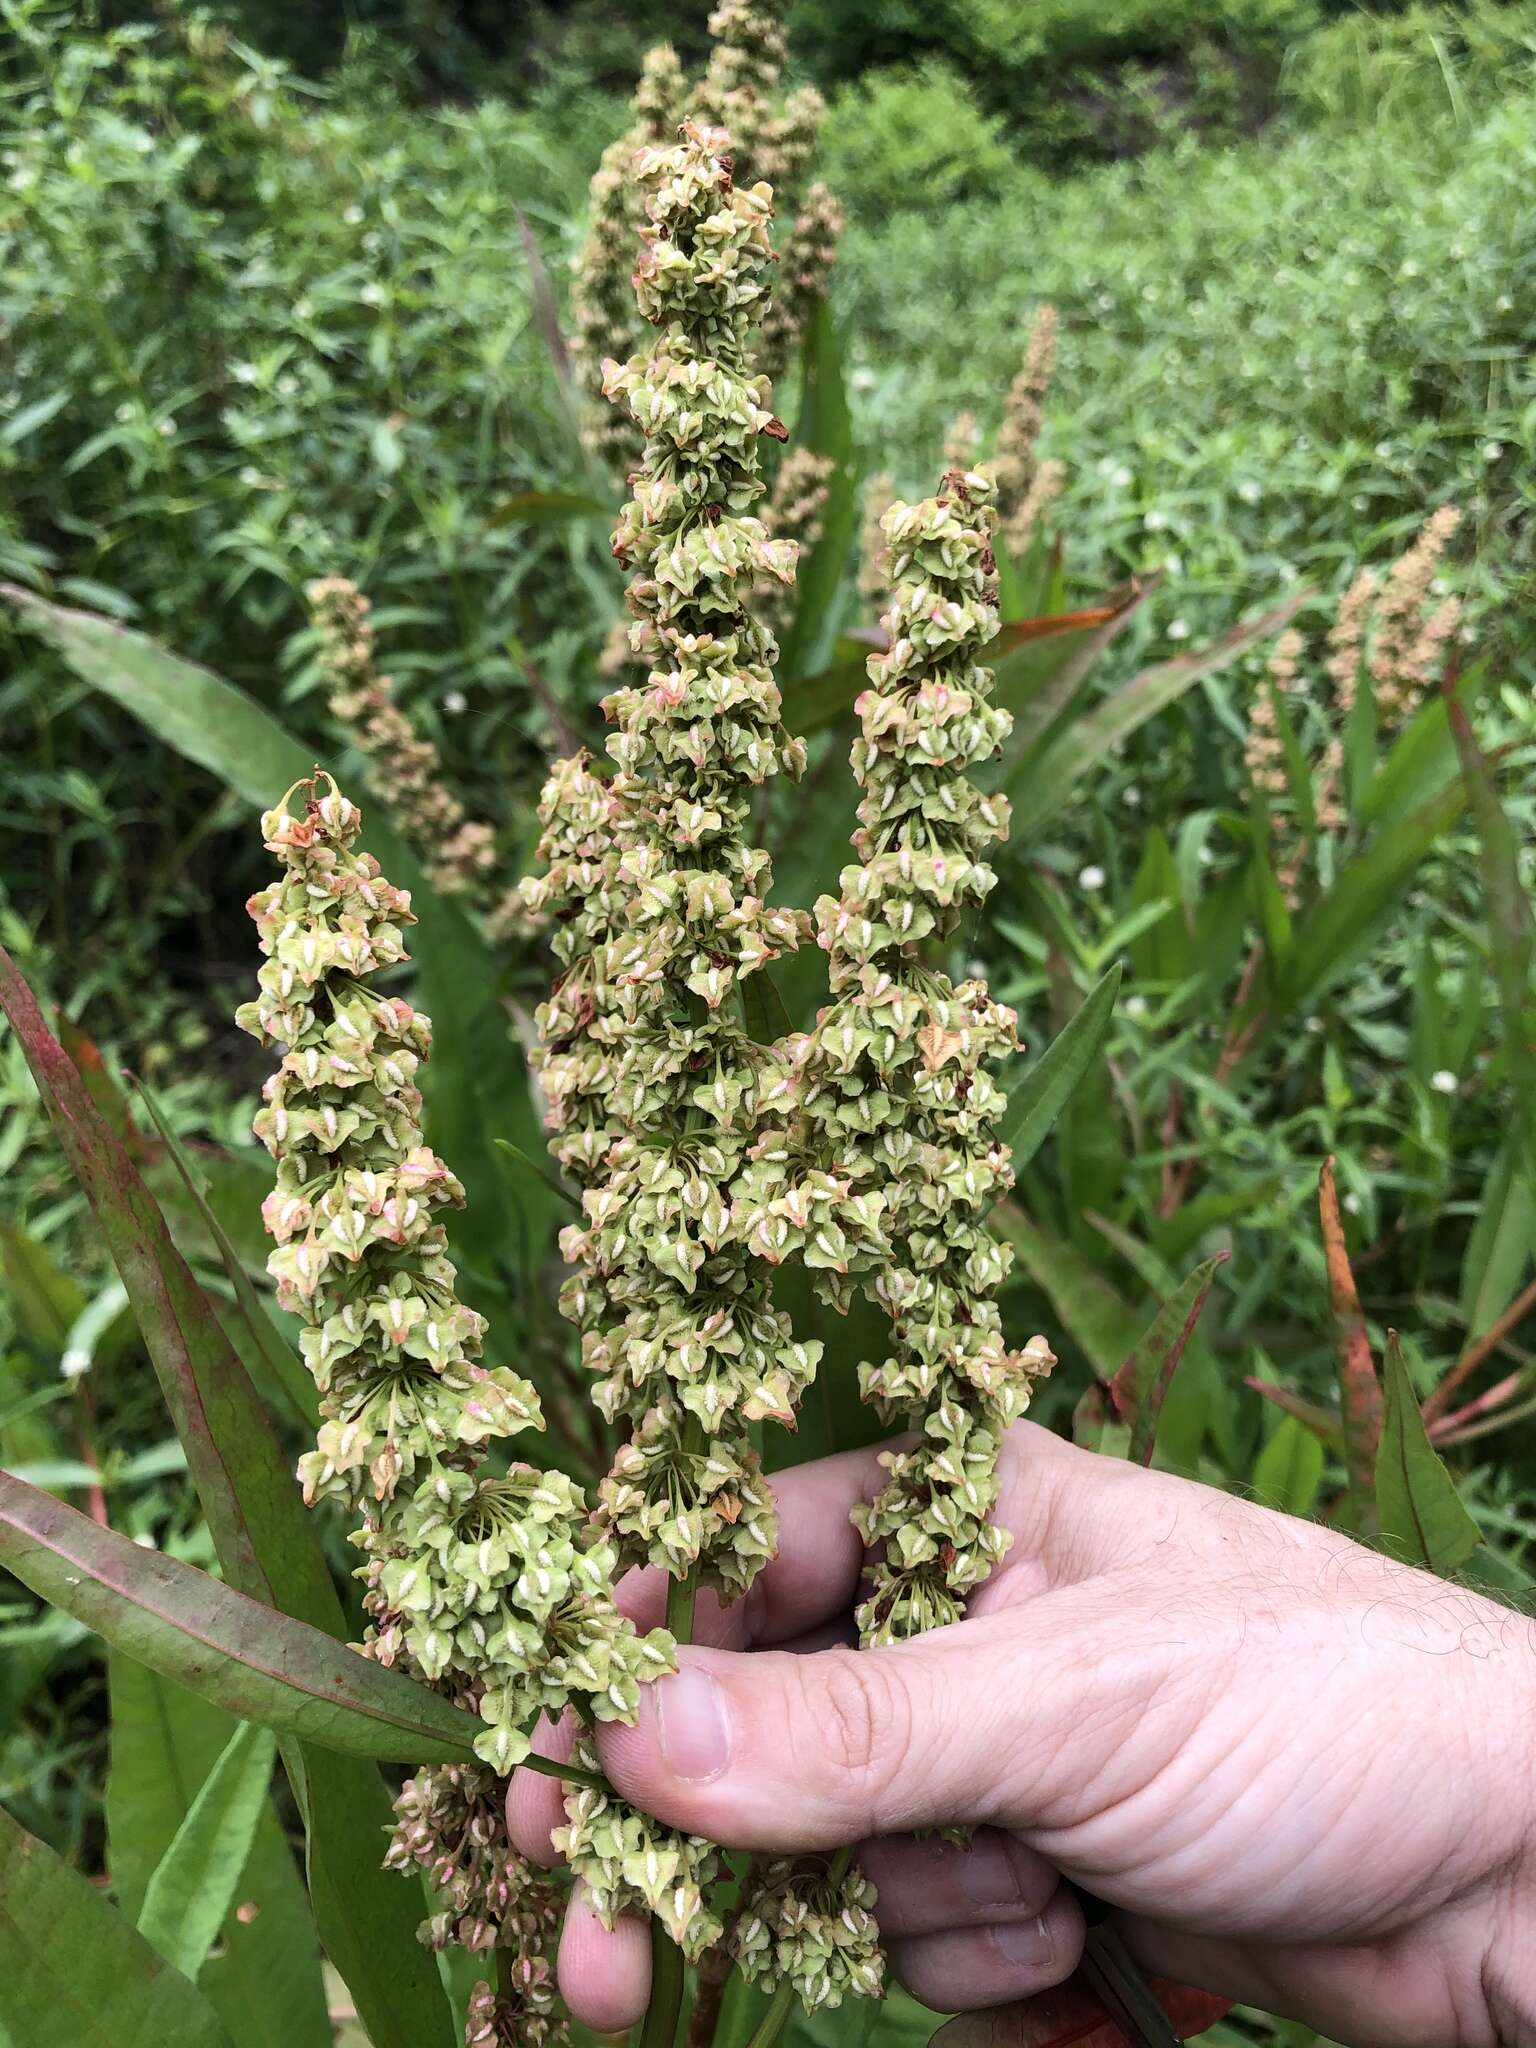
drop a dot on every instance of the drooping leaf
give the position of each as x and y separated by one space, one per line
44 1299
267 1546
75 1973
1502 1240
1289 1469
1141 1385
265 1981
193 1885
1036 1102
1360 1400
1047 776
250 1660
1423 1521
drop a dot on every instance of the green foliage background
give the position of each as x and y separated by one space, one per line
269 313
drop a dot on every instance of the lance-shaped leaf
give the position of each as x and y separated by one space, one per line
1046 777
1422 1518
1041 681
1323 1422
193 1885
1359 1389
1037 1101
1100 1321
1140 1387
246 1658
267 1545
74 1973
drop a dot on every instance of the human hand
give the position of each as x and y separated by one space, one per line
1301 1772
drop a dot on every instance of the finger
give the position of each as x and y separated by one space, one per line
927 1886
605 1976
536 1803
1004 1719
980 1966
813 1576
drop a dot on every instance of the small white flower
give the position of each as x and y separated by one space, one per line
1383 449
1135 1006
1155 520
125 412
1443 1081
1249 491
455 701
167 427
1131 796
302 308
1121 478
863 378
1179 630
1492 450
287 384
145 1541
1504 303
75 1363
353 215
1173 565
372 295
1352 1203
243 373
1091 877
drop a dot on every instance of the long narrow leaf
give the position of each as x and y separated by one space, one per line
1047 776
1035 1104
75 1973
254 1662
193 1885
824 426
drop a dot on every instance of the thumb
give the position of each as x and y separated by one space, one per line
772 1750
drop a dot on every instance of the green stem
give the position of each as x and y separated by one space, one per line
682 1597
660 2028
773 2021
576 1773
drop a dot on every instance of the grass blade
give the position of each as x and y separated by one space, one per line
193 1885
824 426
74 1971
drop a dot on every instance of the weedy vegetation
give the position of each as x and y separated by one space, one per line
882 779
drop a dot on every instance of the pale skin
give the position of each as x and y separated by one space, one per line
1303 1775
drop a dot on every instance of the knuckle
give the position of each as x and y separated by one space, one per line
866 1723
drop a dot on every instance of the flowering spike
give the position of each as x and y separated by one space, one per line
889 1097
491 1588
812 1927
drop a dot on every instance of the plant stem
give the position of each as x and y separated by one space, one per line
682 1597
771 2025
576 1773
660 2027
